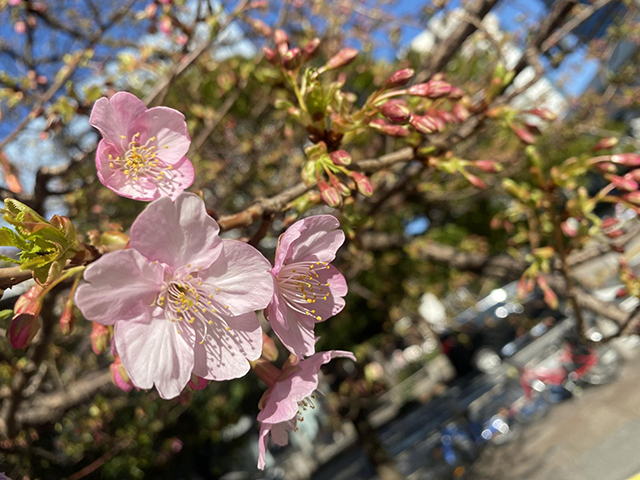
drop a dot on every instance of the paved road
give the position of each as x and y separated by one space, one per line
592 437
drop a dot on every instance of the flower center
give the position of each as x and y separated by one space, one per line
187 303
301 287
140 159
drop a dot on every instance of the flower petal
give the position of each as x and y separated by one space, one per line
298 334
176 180
240 277
312 239
263 440
154 353
169 129
112 117
177 234
121 286
224 354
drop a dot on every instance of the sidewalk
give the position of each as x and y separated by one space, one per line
592 437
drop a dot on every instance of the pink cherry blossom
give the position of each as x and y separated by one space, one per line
308 288
182 299
284 402
142 151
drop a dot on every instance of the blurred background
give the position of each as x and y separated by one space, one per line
459 375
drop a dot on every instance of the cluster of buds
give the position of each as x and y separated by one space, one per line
328 171
427 116
288 58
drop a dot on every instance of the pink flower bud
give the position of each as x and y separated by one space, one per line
292 59
340 158
460 112
392 130
438 88
261 28
270 56
524 135
68 319
633 197
425 124
197 383
150 10
396 111
311 49
606 167
550 298
23 328
280 37
341 187
488 166
446 117
626 159
269 348
362 183
419 90
544 114
341 59
165 25
20 27
476 181
100 338
329 194
29 302
456 93
609 222
569 229
524 287
15 3
606 143
119 375
635 174
399 78
625 183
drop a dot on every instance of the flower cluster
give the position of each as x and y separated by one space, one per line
178 304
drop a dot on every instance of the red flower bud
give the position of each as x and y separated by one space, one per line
488 166
635 174
270 56
392 130
23 328
419 90
524 135
456 93
569 229
544 114
476 181
399 78
29 302
340 158
626 159
341 59
606 143
609 222
329 194
363 183
311 49
396 111
282 41
100 338
460 112
625 183
446 117
68 319
119 375
633 197
606 167
438 88
341 187
425 124
292 59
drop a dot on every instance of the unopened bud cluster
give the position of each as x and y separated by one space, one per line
328 171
